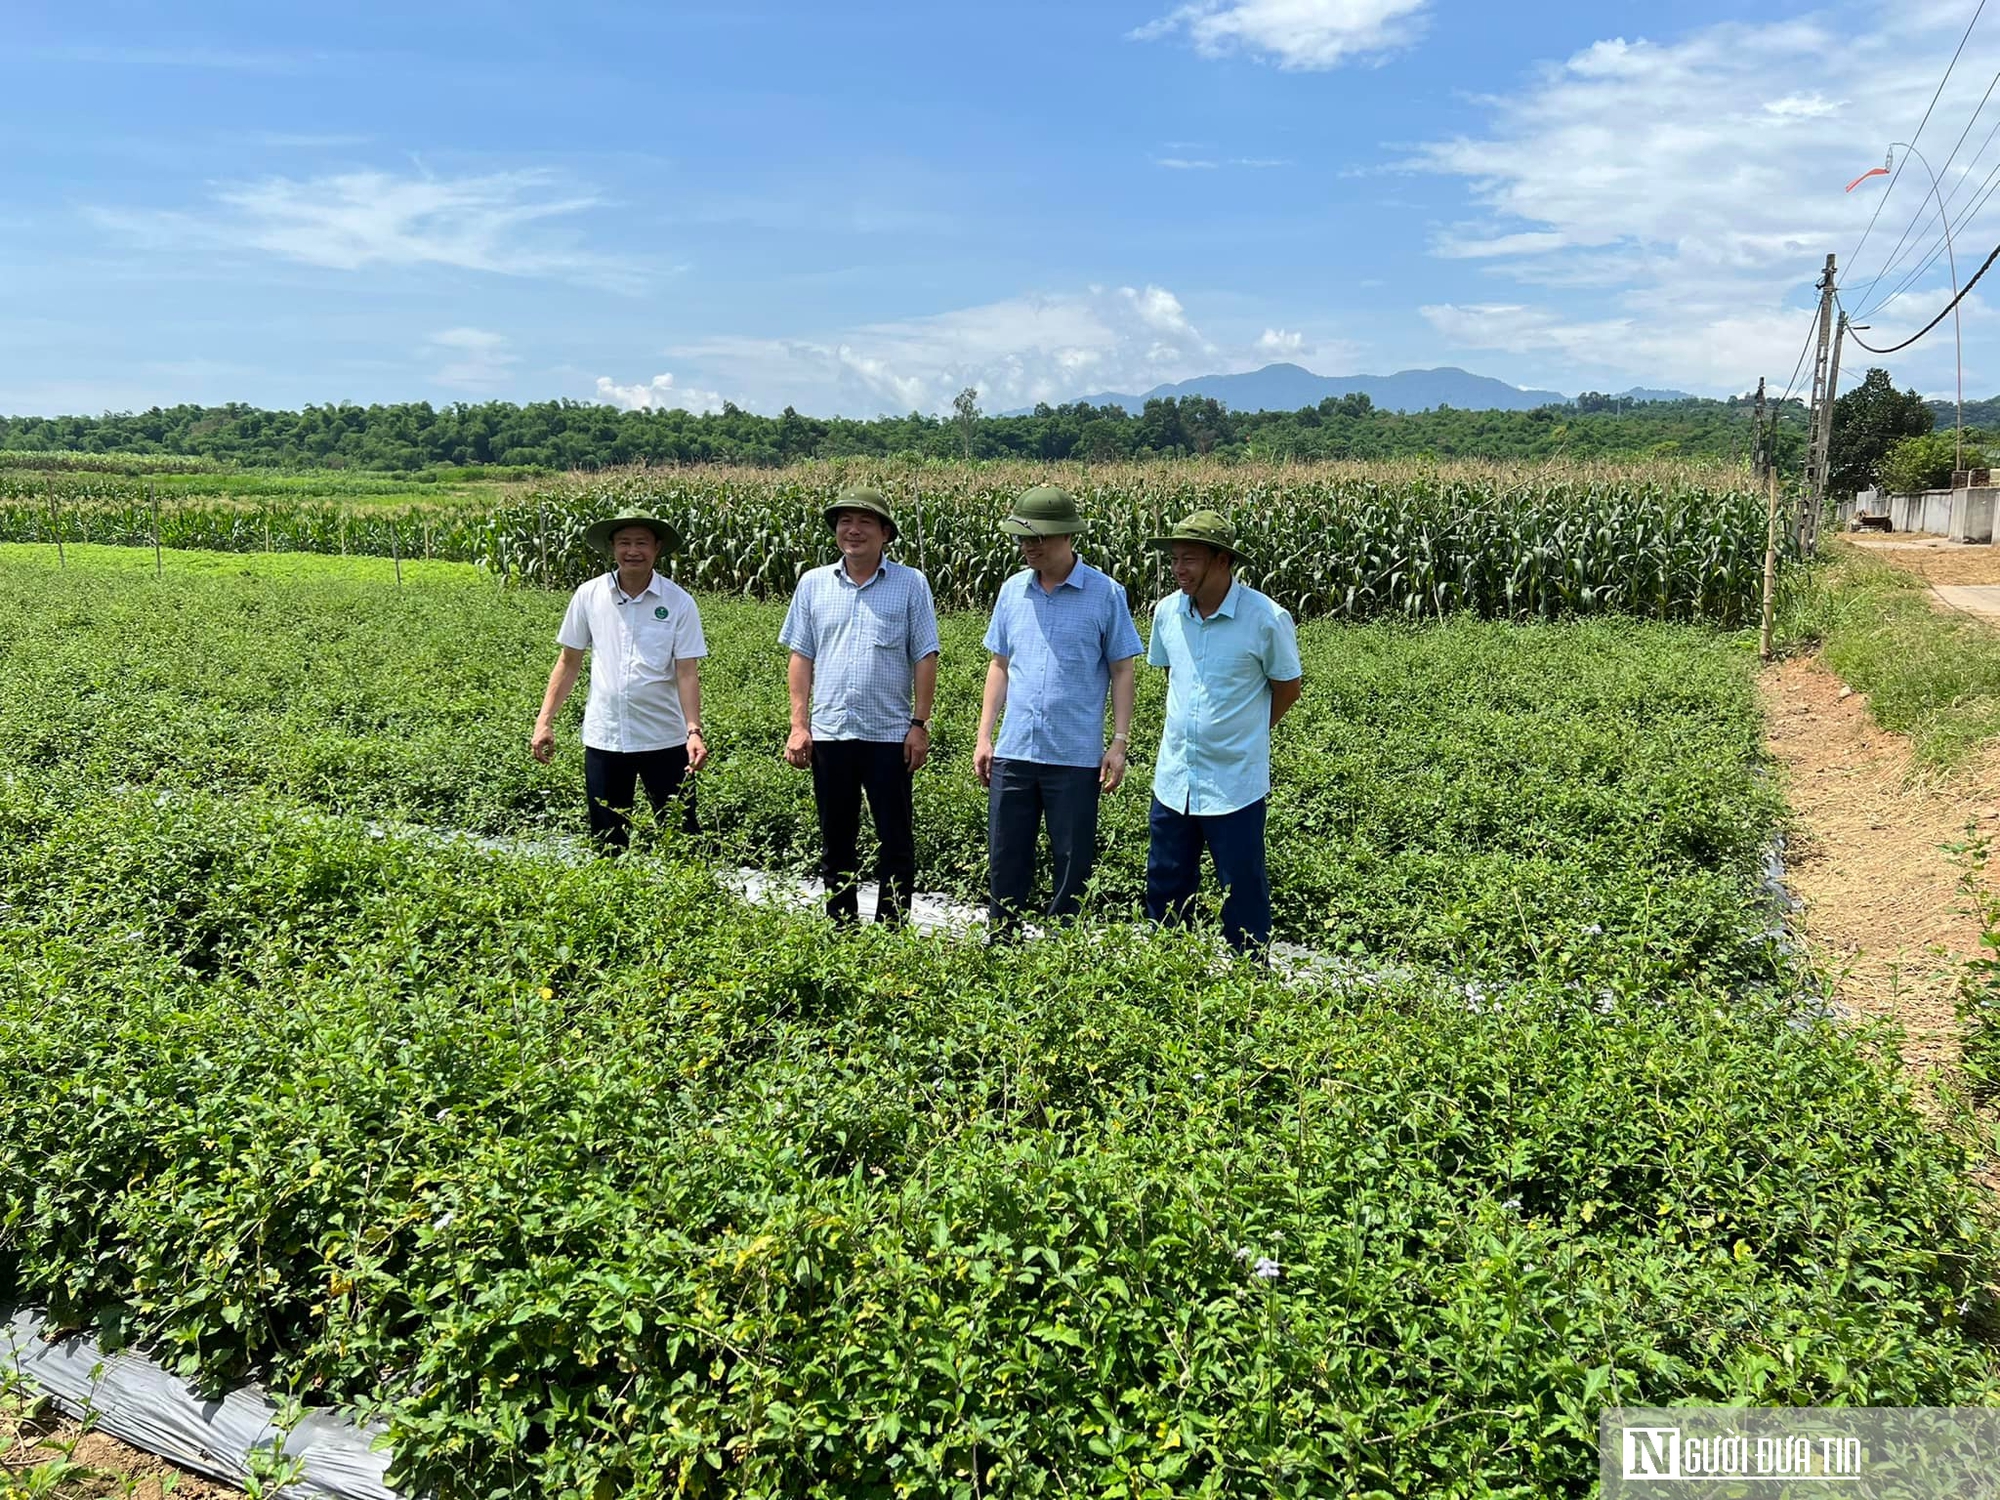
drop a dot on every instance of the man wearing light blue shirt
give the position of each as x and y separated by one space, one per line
1062 638
863 638
1232 660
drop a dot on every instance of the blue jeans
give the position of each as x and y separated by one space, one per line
1236 843
1024 793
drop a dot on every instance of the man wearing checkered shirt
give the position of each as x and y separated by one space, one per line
863 638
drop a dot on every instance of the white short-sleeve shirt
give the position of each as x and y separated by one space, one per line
635 641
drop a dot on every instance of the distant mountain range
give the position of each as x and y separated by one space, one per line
1289 387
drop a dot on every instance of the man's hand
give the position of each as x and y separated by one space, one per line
697 750
799 748
1111 771
543 745
982 760
916 748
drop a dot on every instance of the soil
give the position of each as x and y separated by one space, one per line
1882 908
1932 557
111 1468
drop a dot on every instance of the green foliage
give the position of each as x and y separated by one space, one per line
1926 462
592 1182
413 436
1410 547
1567 798
1867 423
1929 673
1979 994
1356 544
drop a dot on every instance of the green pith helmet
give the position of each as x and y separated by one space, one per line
859 497
1044 510
1204 526
599 533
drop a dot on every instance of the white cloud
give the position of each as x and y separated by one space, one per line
1803 107
1674 208
658 394
1015 352
498 223
478 359
1301 34
1279 343
1183 164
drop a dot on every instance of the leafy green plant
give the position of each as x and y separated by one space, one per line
590 1181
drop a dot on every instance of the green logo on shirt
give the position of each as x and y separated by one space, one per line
659 611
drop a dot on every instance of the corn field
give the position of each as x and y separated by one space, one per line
1346 545
1347 541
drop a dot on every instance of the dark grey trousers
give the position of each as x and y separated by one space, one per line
1025 795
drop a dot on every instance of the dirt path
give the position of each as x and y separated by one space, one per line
1932 557
110 1468
1882 908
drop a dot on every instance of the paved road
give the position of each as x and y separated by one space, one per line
1981 599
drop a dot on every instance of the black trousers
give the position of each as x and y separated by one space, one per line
610 778
843 771
1025 794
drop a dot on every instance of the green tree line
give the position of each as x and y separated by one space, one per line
580 435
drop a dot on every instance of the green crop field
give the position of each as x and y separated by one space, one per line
593 1181
1348 541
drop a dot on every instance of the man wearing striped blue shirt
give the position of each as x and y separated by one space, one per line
863 638
1062 639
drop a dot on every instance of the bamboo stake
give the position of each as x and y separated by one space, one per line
55 524
1770 561
396 554
153 500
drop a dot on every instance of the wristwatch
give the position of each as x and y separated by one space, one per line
696 729
923 724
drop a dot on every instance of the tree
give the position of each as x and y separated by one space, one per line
966 405
1925 462
1868 421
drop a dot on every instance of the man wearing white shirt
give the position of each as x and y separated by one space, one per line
642 722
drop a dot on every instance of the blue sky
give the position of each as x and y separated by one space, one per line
864 207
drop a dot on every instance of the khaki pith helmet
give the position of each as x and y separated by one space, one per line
860 497
1204 526
1042 511
597 536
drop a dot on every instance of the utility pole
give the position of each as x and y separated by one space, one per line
1816 423
1826 439
1759 458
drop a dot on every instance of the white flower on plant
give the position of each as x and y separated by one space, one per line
1595 929
443 1220
1512 1205
1242 1252
1267 1269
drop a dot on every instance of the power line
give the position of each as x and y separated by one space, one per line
1934 321
1937 200
1811 328
1896 176
1980 196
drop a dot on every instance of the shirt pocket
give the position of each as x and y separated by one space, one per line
885 633
1074 643
653 644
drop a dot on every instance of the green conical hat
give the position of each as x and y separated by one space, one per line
598 534
860 497
1044 510
1207 527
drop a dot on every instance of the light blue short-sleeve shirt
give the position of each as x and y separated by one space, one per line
1060 645
1215 747
864 641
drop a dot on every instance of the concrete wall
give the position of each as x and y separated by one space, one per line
1971 518
1929 511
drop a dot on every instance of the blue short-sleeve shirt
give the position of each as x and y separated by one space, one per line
1060 645
864 641
1215 747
